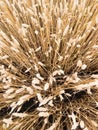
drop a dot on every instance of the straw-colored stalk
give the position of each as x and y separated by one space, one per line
49 64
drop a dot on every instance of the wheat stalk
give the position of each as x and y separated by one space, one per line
49 64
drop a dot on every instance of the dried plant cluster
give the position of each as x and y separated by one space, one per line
49 65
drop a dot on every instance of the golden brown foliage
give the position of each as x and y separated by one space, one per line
49 64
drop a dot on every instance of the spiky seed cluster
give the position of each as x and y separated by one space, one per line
49 64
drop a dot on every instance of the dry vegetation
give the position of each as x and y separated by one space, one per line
49 64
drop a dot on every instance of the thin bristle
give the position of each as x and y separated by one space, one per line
49 64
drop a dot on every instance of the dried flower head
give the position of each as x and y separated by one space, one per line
48 64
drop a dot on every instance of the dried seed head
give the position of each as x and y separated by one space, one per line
49 64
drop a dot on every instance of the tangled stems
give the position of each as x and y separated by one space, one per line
48 64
